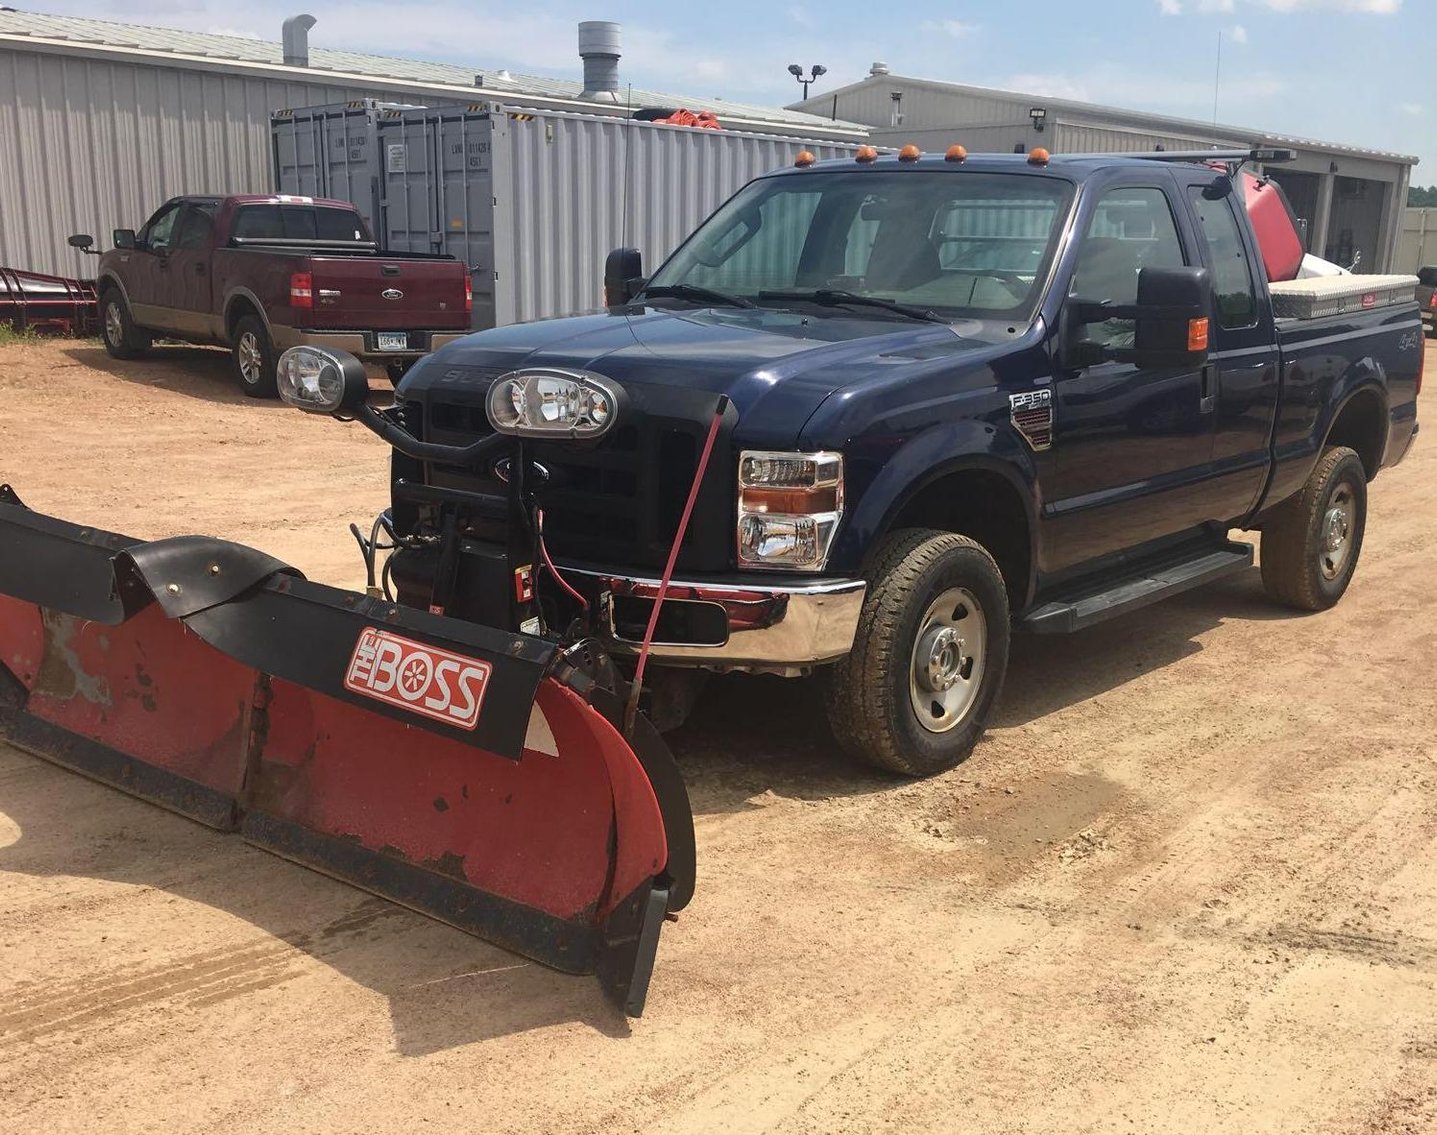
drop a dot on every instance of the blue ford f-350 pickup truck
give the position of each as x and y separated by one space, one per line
941 398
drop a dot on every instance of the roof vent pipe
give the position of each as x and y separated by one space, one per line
599 49
295 33
878 69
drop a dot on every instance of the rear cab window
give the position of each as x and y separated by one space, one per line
298 222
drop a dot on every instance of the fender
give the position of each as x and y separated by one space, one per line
235 297
937 452
108 277
1293 463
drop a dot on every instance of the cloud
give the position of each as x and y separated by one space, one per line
1237 33
1170 7
1412 108
1217 5
955 28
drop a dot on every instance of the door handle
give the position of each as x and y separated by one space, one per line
1207 400
199 269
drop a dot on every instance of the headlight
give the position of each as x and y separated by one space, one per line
789 506
553 403
321 381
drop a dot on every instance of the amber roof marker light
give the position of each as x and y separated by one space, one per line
1038 156
804 159
865 155
955 153
909 153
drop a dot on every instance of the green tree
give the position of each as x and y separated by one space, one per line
1422 198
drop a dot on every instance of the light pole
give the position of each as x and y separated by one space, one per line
813 74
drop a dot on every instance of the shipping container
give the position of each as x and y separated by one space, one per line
533 201
331 151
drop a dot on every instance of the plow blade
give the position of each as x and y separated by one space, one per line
471 774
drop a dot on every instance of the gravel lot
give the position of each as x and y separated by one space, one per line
1189 883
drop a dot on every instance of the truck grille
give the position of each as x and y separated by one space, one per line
617 501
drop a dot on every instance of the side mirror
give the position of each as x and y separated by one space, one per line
322 381
1170 322
124 238
623 276
83 242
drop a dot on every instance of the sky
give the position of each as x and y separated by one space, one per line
1362 72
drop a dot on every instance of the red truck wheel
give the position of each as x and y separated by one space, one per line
254 358
123 340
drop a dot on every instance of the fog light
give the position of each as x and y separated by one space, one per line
321 382
553 403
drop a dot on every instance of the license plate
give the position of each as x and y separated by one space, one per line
394 340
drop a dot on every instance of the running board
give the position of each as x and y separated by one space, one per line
1150 586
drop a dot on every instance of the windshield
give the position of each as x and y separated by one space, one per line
961 244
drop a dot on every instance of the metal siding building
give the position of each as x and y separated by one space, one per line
100 122
1352 198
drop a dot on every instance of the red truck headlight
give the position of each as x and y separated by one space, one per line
789 506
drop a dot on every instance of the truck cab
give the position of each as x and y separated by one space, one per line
876 415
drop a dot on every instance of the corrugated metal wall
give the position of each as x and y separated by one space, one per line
1417 242
572 187
1093 138
89 146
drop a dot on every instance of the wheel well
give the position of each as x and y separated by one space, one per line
1361 426
985 507
238 309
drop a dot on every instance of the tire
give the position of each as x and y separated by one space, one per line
1311 542
920 580
254 358
123 340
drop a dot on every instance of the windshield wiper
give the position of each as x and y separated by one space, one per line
696 293
833 297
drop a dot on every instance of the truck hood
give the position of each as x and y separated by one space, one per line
777 366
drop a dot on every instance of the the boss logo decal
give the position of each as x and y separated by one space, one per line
415 676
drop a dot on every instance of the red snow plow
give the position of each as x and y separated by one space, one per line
480 776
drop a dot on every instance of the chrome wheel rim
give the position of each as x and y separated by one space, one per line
1335 547
251 361
949 652
114 324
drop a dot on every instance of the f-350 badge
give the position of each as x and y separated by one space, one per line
1032 416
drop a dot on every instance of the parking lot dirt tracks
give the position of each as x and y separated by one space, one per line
1187 883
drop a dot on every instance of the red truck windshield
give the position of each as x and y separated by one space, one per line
297 222
974 244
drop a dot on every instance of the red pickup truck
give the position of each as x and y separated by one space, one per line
259 274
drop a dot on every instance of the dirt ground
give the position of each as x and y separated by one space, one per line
1188 883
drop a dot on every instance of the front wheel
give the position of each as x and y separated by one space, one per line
914 694
123 340
1311 542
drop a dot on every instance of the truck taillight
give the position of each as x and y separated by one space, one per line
301 289
1432 303
468 294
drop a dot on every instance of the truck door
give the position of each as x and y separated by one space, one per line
147 275
1244 361
1132 444
186 280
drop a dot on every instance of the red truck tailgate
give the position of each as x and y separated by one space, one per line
371 293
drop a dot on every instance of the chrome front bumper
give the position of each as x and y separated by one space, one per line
768 626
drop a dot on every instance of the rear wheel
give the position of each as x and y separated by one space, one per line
123 340
254 358
1311 542
914 694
